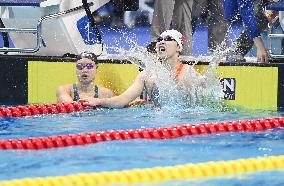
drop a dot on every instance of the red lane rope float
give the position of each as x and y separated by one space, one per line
28 110
149 133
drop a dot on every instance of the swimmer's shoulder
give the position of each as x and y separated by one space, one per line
65 88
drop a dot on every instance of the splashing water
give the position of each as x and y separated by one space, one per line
205 90
212 93
168 90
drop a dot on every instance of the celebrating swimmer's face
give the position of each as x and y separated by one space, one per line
167 44
166 47
86 68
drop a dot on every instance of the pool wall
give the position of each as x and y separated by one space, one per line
33 79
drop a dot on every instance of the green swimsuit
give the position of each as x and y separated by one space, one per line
76 93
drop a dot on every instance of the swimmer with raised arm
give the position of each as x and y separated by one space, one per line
86 69
169 45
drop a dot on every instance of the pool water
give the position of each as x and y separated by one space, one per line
139 153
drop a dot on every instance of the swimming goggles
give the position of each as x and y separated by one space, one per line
165 38
81 66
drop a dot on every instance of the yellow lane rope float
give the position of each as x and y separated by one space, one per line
157 174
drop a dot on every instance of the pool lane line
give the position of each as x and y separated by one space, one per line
38 109
170 132
158 174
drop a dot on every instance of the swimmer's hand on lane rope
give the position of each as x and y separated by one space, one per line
91 102
94 103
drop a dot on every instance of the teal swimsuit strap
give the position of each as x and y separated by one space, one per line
76 94
96 92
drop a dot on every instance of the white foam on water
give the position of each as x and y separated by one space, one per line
204 92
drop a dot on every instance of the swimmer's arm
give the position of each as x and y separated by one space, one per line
107 93
63 95
120 101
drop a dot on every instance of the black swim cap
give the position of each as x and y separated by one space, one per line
88 55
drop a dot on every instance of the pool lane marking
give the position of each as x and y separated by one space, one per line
39 109
170 132
158 174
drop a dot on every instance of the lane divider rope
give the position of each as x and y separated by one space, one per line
158 174
35 143
37 109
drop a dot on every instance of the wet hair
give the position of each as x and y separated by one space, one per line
88 55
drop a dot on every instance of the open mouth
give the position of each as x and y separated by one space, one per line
84 76
162 49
